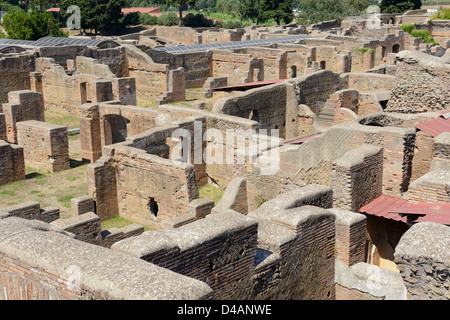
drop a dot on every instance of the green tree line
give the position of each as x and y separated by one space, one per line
27 19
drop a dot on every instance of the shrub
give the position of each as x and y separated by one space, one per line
31 26
168 19
424 34
231 24
131 19
196 21
407 27
148 19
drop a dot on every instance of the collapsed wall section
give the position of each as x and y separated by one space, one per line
422 83
422 256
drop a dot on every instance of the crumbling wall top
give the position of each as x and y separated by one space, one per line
101 272
426 239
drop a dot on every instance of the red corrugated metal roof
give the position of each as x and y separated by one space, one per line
435 126
391 207
250 85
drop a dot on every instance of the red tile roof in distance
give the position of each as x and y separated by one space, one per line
124 10
436 126
391 207
140 9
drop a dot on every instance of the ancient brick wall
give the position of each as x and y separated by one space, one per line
351 235
45 145
82 205
441 155
221 251
134 181
86 227
431 187
357 177
258 105
39 261
196 67
31 210
15 73
2 125
105 124
314 157
151 80
422 257
224 254
306 87
61 91
146 182
275 62
221 35
102 187
423 154
285 238
12 163
23 105
185 35
422 83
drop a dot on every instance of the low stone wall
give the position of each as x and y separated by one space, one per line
85 227
221 251
41 262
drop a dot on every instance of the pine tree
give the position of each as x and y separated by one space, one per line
399 6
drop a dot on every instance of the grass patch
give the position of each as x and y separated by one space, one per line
7 193
65 200
118 222
63 119
212 192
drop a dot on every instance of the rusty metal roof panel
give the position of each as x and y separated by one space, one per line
398 209
436 126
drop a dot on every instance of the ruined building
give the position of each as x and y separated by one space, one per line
332 149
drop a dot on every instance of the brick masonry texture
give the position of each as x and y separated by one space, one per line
37 260
46 146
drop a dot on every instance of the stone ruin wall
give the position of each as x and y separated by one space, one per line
139 162
23 105
12 163
15 73
234 256
45 145
416 74
423 260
